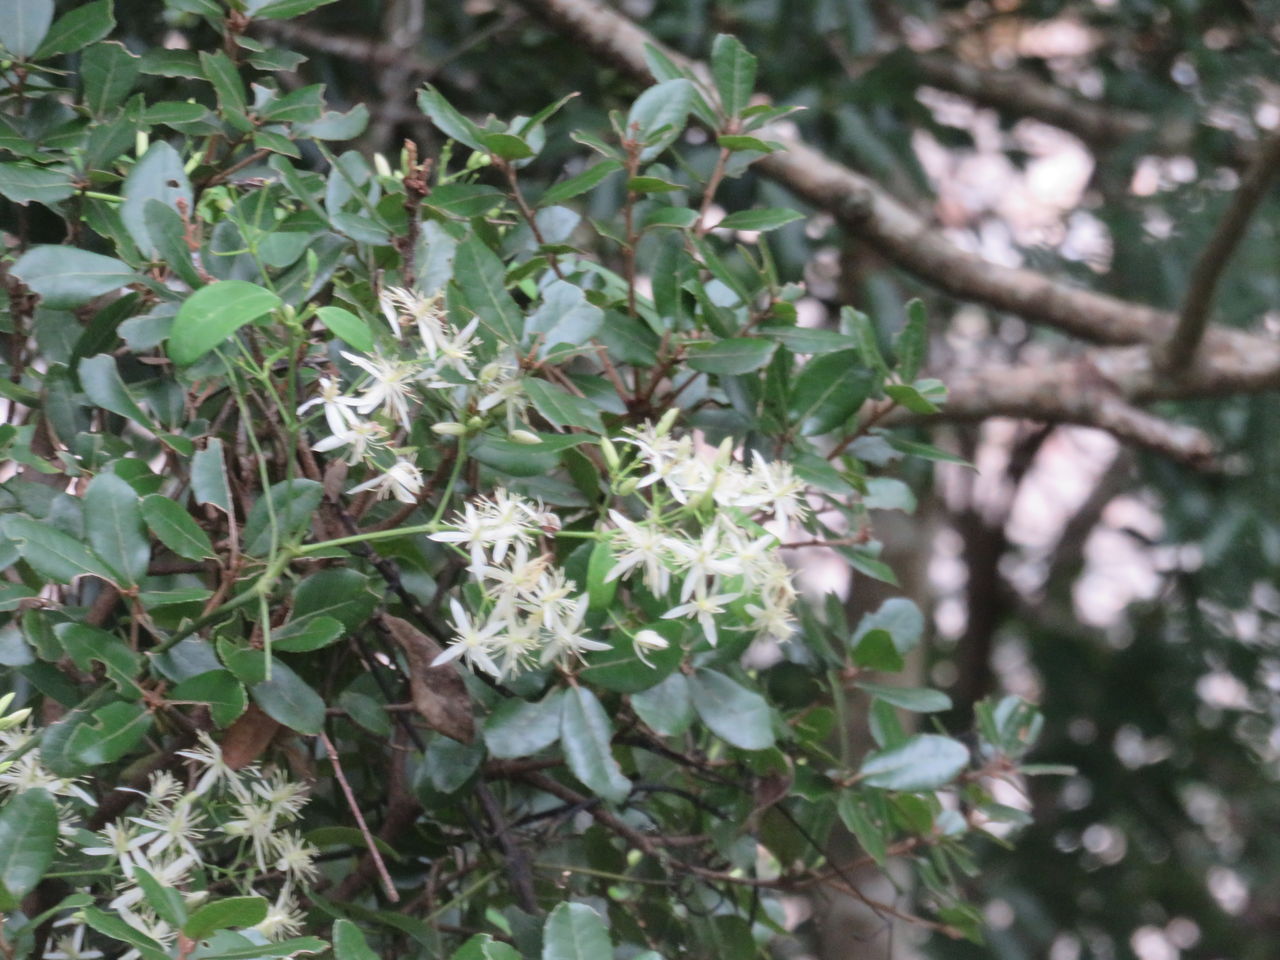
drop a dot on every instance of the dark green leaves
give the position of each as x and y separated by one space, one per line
733 356
828 391
158 176
287 699
108 72
77 28
224 914
175 528
24 25
733 713
567 189
28 839
518 728
346 326
25 182
52 553
279 514
212 314
66 277
223 693
450 121
734 70
658 116
924 762
113 524
575 932
586 734
560 406
769 219
480 277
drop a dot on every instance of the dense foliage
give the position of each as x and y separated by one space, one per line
355 495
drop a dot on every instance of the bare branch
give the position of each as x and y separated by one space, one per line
1194 318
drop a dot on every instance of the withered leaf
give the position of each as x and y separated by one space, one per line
439 693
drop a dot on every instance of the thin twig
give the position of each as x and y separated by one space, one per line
388 887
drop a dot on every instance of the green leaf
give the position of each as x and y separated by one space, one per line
52 553
114 731
25 182
518 728
168 236
667 708
565 316
164 900
113 524
924 762
576 185
876 651
221 72
450 121
84 643
464 200
733 356
480 276
808 340
914 699
909 397
287 699
739 142
586 733
828 391
281 948
897 616
600 592
66 277
108 71
303 636
159 176
853 811
28 841
658 116
209 477
112 926
575 932
925 451
620 667
738 716
912 341
104 388
652 185
24 25
449 765
365 711
769 219
224 914
292 502
507 146
213 314
282 9
340 594
349 943
734 70
346 326
560 406
864 331
76 29
219 689
175 528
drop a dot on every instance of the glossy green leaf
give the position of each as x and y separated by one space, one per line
464 200
113 732
897 616
286 698
560 406
828 391
658 116
480 276
912 341
914 699
224 694
176 528
225 914
110 925
108 71
282 9
575 932
666 708
209 477
280 948
770 219
77 28
303 636
924 762
808 340
621 668
738 716
340 594
875 650
349 943
52 553
25 182
24 25
346 326
211 315
734 70
565 316
586 735
733 356
518 728
101 381
163 899
115 529
579 184
28 842
450 121
66 277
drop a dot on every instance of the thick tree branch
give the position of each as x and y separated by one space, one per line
1194 318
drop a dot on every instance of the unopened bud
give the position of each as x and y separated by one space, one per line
524 436
651 640
724 453
15 718
628 487
610 453
475 423
667 422
450 429
381 165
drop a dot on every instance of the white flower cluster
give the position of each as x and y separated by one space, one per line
732 557
533 614
442 361
235 821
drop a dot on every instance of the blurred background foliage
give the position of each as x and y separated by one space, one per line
1135 599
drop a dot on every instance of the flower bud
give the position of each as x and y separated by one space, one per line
448 428
475 423
651 640
628 487
667 422
610 453
526 437
381 165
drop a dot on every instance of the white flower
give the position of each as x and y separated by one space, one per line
296 858
781 488
337 408
648 640
566 634
72 947
256 823
360 435
706 609
176 826
771 620
285 797
391 389
703 558
496 523
209 756
283 918
426 312
455 350
647 547
473 643
402 480
123 843
168 873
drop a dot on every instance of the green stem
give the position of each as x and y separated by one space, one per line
369 537
459 458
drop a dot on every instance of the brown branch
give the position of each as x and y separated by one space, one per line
388 887
1208 270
